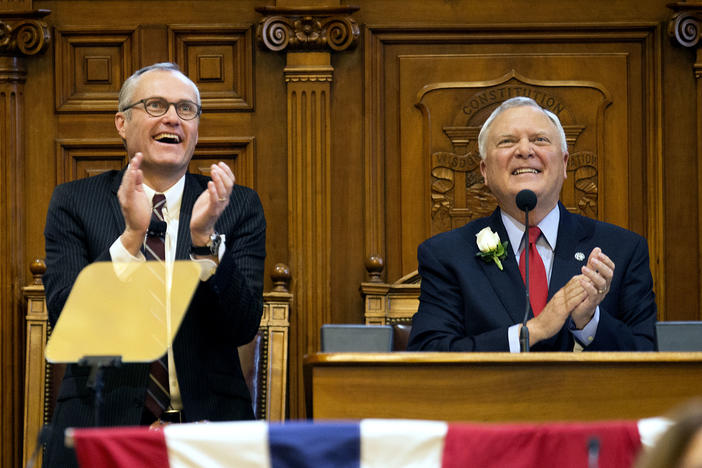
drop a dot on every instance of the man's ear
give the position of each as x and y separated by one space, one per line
565 165
483 171
121 124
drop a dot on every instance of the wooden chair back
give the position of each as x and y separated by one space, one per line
391 303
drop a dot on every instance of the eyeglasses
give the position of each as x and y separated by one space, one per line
157 106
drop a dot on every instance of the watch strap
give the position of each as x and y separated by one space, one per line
212 247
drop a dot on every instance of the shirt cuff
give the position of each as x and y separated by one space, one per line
123 262
513 338
587 334
208 267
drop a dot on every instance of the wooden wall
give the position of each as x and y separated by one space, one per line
357 127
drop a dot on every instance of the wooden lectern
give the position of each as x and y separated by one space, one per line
499 387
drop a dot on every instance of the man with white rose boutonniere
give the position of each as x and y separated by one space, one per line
590 282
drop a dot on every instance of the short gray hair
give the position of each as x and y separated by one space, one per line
127 90
518 101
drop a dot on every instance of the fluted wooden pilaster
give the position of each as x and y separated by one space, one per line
11 79
685 29
308 36
22 34
308 77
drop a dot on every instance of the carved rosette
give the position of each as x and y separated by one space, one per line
293 29
684 25
684 28
23 37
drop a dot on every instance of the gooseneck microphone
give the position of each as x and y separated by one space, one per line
526 201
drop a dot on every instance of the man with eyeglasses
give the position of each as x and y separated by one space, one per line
209 220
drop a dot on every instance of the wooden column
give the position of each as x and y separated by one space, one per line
308 36
22 34
685 28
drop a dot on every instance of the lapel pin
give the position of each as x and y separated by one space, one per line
579 256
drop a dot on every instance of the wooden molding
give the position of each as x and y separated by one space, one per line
91 65
219 59
23 33
238 152
79 158
329 29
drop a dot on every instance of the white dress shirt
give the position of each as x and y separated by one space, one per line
545 245
124 263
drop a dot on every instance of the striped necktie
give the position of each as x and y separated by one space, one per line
158 397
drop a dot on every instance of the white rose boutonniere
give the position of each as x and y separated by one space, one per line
491 249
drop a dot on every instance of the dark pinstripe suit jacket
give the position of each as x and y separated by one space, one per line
83 221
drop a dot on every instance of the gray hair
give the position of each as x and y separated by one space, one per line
518 101
127 90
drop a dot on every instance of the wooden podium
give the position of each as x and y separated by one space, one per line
499 387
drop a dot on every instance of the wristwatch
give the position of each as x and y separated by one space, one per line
212 247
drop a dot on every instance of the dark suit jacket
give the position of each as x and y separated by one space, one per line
467 304
83 221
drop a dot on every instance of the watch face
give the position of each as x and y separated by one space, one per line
212 247
215 240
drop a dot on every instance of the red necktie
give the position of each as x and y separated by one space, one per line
158 397
538 285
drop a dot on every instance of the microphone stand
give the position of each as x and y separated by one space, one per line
524 332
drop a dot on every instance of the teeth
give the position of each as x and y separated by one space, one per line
525 170
167 138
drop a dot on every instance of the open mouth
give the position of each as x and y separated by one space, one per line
525 170
168 138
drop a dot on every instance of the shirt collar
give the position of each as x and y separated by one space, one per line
174 197
548 226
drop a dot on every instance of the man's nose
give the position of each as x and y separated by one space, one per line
525 149
171 114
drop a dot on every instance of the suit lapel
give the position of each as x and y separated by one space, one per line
115 209
571 235
190 194
507 283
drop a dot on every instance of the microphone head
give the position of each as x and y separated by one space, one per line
526 200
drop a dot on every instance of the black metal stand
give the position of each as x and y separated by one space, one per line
524 332
95 379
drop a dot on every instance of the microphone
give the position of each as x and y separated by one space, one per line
593 452
526 201
157 228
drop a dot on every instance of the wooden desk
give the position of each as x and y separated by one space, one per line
500 387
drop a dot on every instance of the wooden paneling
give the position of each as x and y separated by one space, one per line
219 60
389 173
91 64
239 153
437 87
79 158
